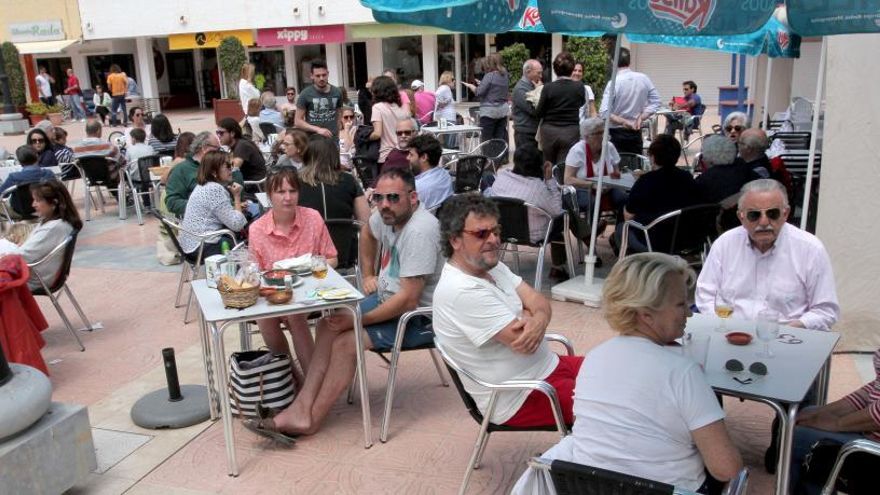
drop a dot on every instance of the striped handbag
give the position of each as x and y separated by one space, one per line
259 378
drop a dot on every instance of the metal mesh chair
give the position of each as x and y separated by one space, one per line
468 171
96 174
686 232
858 447
494 149
631 161
20 201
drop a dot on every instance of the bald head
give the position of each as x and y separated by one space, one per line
752 144
532 70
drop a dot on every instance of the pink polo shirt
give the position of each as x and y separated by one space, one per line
307 235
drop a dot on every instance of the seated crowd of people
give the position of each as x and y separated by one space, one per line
635 406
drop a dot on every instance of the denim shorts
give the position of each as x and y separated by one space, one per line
419 331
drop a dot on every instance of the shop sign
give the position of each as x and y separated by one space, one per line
24 32
209 39
312 35
366 31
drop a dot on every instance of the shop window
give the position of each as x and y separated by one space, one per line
270 74
99 67
304 56
403 56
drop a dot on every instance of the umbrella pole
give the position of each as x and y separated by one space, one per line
764 112
814 135
590 260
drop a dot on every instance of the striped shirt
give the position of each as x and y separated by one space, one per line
872 402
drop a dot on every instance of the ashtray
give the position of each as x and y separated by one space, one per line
738 338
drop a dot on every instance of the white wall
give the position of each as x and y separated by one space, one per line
159 18
804 70
848 203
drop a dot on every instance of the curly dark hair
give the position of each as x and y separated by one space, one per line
455 211
384 89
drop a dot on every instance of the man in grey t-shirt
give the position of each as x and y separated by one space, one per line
318 108
408 239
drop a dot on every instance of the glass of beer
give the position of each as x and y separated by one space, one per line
723 308
319 267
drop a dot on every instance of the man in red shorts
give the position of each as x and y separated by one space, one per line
491 322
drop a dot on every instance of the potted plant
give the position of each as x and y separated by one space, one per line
37 111
55 114
230 56
12 64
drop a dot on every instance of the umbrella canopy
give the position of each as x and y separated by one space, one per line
824 17
480 16
774 39
530 22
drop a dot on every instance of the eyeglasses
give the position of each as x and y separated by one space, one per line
138 115
221 132
37 140
737 128
772 213
229 165
291 94
392 198
348 117
483 234
404 133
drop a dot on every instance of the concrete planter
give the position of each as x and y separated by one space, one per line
36 118
227 108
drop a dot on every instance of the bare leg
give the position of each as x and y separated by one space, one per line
303 344
270 329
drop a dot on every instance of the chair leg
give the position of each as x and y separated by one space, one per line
66 320
189 301
76 306
350 396
439 369
138 208
539 270
101 200
389 394
482 451
478 448
87 197
180 283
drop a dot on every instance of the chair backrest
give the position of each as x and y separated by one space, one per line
797 164
268 128
685 231
494 149
514 220
632 161
469 172
367 170
474 113
171 229
800 110
69 245
22 202
794 140
345 233
572 478
453 370
96 170
559 174
145 163
166 152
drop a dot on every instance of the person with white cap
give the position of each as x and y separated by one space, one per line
425 101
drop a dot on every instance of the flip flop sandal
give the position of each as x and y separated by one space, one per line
266 428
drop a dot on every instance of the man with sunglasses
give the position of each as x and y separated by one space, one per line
399 157
769 263
491 322
288 106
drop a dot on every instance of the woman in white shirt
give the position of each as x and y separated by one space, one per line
641 407
246 88
589 109
102 103
58 219
444 106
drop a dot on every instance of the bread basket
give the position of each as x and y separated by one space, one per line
238 298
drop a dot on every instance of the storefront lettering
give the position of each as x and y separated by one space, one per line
293 35
301 35
36 31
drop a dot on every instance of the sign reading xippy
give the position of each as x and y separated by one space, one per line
24 32
301 35
209 39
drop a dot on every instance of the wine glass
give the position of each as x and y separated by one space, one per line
723 308
767 329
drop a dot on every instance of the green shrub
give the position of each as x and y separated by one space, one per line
231 56
513 57
592 53
12 64
37 108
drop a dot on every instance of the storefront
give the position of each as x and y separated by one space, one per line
284 55
193 74
43 44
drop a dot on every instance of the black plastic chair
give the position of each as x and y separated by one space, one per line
797 165
345 233
468 171
515 232
367 171
794 140
864 453
95 173
268 128
144 185
686 232
21 202
487 427
50 290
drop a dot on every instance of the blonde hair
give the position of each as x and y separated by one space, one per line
247 71
253 108
447 77
639 282
494 62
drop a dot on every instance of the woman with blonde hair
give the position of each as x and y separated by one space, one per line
444 105
246 88
250 124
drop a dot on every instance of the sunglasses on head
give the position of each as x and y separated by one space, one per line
404 133
755 215
737 128
483 234
392 198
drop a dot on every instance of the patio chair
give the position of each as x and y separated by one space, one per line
51 290
797 164
367 171
189 271
145 184
345 233
515 232
630 162
860 447
95 173
268 128
794 141
468 171
686 232
255 186
21 202
570 477
487 427
494 149
395 359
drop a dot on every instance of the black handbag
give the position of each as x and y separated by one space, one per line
856 476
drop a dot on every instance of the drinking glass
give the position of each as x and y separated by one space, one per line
319 267
767 330
723 308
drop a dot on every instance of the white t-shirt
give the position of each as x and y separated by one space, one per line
577 157
43 85
635 405
585 110
468 312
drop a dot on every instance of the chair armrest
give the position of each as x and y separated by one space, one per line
555 337
403 321
541 386
52 253
8 192
738 484
860 445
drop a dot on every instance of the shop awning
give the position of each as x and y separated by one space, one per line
39 47
362 31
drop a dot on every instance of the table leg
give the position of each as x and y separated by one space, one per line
822 383
213 395
123 210
244 335
362 374
222 383
786 415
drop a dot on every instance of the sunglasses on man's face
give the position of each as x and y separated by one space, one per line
291 94
772 213
392 198
404 133
483 234
737 128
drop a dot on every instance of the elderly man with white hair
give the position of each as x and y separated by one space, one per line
725 176
582 163
525 119
269 113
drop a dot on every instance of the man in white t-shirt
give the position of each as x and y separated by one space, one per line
491 322
44 86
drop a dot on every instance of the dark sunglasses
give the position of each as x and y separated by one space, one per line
38 140
404 133
755 215
221 132
736 366
392 198
483 234
348 117
138 115
737 128
291 94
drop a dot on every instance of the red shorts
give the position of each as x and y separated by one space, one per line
536 410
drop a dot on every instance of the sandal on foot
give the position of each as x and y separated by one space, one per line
267 428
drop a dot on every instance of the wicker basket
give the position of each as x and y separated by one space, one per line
238 298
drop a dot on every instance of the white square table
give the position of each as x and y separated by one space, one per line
454 129
791 373
625 182
214 318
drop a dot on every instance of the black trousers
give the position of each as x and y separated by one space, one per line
626 140
524 137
